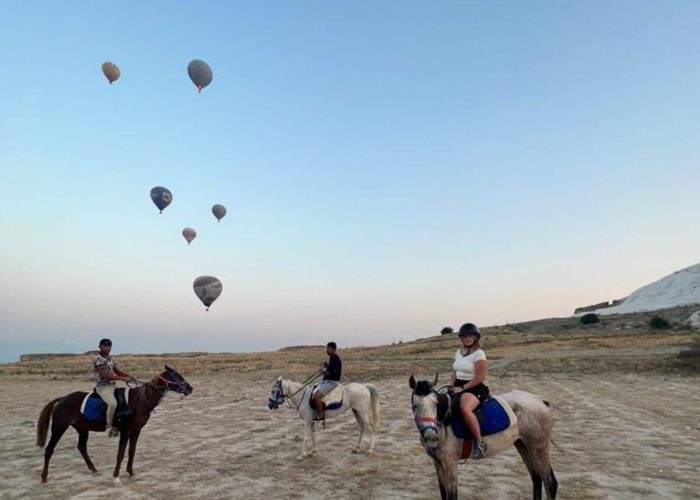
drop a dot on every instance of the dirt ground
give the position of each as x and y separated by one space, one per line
620 433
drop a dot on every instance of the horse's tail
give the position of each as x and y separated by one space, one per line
42 426
375 405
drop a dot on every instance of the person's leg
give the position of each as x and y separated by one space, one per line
107 394
467 404
323 389
318 403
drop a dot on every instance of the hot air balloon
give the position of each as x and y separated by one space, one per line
219 211
200 73
111 71
189 234
161 197
208 289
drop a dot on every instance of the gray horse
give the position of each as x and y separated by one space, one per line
531 437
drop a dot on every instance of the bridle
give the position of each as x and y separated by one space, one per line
280 397
436 424
177 385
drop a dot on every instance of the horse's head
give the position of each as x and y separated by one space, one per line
277 396
175 382
429 410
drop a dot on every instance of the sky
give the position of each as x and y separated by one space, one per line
389 168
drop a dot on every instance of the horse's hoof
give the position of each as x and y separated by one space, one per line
355 451
117 482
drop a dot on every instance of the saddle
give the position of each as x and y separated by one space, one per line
494 415
331 401
94 409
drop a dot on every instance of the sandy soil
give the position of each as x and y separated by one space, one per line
623 436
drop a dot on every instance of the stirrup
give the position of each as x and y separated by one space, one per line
113 432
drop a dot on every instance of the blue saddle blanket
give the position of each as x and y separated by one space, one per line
491 415
94 408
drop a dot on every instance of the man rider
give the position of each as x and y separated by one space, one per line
331 377
106 374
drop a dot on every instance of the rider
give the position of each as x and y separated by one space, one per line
331 377
106 374
468 380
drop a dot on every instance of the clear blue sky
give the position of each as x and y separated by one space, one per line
389 168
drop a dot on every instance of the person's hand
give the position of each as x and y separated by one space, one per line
455 389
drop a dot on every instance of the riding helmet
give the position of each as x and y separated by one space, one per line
469 328
106 342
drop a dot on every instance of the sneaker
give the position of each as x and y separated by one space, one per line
479 450
113 432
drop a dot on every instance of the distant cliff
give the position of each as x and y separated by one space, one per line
601 305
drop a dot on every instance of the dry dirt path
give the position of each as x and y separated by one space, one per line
618 437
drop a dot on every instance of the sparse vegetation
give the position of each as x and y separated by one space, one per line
658 323
589 319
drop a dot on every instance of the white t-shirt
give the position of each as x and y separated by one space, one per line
464 365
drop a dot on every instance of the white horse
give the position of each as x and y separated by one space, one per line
530 436
363 399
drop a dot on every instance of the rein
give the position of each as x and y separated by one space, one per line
304 384
303 387
162 389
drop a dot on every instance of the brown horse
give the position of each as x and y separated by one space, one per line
65 411
530 436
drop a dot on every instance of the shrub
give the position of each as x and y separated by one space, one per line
658 322
446 330
589 319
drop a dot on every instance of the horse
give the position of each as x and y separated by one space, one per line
65 411
530 436
363 399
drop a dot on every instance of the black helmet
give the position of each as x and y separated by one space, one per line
106 342
469 328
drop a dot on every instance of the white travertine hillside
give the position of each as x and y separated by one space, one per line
677 289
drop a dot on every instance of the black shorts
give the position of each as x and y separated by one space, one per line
481 391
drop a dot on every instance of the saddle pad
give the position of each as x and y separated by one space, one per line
93 408
494 415
332 401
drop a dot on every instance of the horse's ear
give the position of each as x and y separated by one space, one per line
168 369
436 378
412 382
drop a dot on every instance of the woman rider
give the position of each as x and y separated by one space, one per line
468 381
